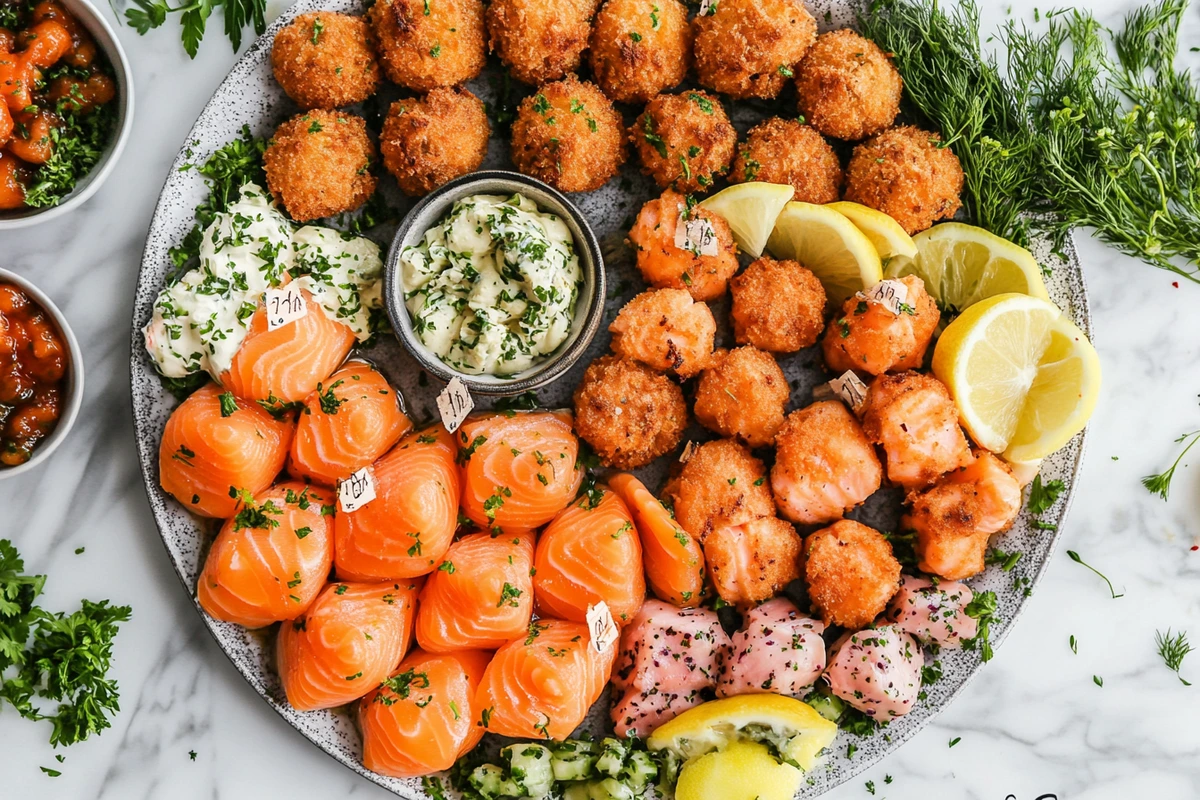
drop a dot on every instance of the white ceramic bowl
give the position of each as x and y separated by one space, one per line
92 19
73 389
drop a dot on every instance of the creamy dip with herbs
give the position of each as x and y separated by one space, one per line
200 320
492 288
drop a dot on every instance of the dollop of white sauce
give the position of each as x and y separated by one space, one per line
492 288
200 321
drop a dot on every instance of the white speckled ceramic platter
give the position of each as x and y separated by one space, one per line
250 96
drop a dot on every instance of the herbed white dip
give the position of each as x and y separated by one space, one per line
492 288
199 322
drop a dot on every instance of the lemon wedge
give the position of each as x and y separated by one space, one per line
742 771
830 245
751 210
1025 378
796 730
885 233
962 264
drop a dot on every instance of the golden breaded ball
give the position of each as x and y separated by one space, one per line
778 306
750 48
640 48
684 141
848 87
721 484
851 573
319 164
434 139
786 152
325 60
742 395
868 337
540 40
752 562
568 135
666 330
908 174
628 413
664 265
424 44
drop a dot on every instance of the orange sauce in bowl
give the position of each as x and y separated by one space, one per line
33 372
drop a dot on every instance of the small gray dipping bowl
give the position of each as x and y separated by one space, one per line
589 308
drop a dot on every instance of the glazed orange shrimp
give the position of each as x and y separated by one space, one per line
868 337
664 265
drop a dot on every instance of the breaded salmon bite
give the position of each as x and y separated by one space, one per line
628 413
325 60
569 135
752 562
785 151
721 484
742 395
908 174
851 573
868 337
750 48
424 44
640 48
319 164
778 306
667 330
666 261
848 88
540 40
684 141
430 140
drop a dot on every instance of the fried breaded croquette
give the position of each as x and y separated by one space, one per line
868 337
908 174
752 562
325 60
750 48
424 44
684 140
851 573
742 395
568 135
912 416
319 164
778 306
640 48
788 152
848 88
824 464
430 140
721 484
954 518
540 40
664 265
628 413
666 330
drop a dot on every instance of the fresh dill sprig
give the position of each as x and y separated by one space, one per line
1160 484
1172 650
1078 560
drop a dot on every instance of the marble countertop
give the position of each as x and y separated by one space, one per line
1033 723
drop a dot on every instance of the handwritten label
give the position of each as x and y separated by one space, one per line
284 305
454 404
356 491
891 294
689 450
707 8
601 627
850 389
695 235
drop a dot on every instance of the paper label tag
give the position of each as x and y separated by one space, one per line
284 305
356 491
695 235
454 404
891 294
850 389
602 627
689 450
707 8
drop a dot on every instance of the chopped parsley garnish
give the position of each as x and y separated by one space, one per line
1076 558
1043 495
330 402
229 405
1172 650
653 138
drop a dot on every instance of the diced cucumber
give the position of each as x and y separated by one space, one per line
613 753
612 789
488 780
578 791
574 760
826 705
639 771
529 766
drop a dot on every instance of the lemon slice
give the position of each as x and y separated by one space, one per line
742 771
794 728
1024 378
885 233
830 245
961 265
750 209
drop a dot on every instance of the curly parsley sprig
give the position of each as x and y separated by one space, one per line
193 17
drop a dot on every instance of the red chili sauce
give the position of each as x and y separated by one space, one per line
33 369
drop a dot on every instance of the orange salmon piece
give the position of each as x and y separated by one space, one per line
269 562
673 559
406 529
351 419
423 718
518 469
588 554
481 595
